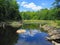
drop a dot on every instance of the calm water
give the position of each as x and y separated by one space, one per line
33 37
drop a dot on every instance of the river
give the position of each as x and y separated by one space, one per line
33 37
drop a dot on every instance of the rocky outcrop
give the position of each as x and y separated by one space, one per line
54 34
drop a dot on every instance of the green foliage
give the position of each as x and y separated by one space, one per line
27 15
43 14
9 10
56 4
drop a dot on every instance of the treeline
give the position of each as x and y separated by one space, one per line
9 10
43 14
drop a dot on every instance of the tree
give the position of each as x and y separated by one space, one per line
57 3
9 10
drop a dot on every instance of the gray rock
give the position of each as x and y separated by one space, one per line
54 34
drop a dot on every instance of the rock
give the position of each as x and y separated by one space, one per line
47 27
21 31
55 43
54 34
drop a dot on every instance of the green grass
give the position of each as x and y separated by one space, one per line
54 23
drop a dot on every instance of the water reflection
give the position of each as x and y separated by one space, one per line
33 37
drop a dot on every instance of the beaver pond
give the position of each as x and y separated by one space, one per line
32 36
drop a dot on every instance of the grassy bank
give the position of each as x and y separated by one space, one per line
54 23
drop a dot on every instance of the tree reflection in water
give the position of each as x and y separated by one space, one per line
8 35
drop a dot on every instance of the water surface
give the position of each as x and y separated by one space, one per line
33 37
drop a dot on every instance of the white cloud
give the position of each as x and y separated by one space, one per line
18 2
23 3
31 5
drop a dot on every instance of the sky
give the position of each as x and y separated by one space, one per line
34 5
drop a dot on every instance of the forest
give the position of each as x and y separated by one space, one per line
9 10
44 14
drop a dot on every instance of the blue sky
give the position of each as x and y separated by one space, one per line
34 5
